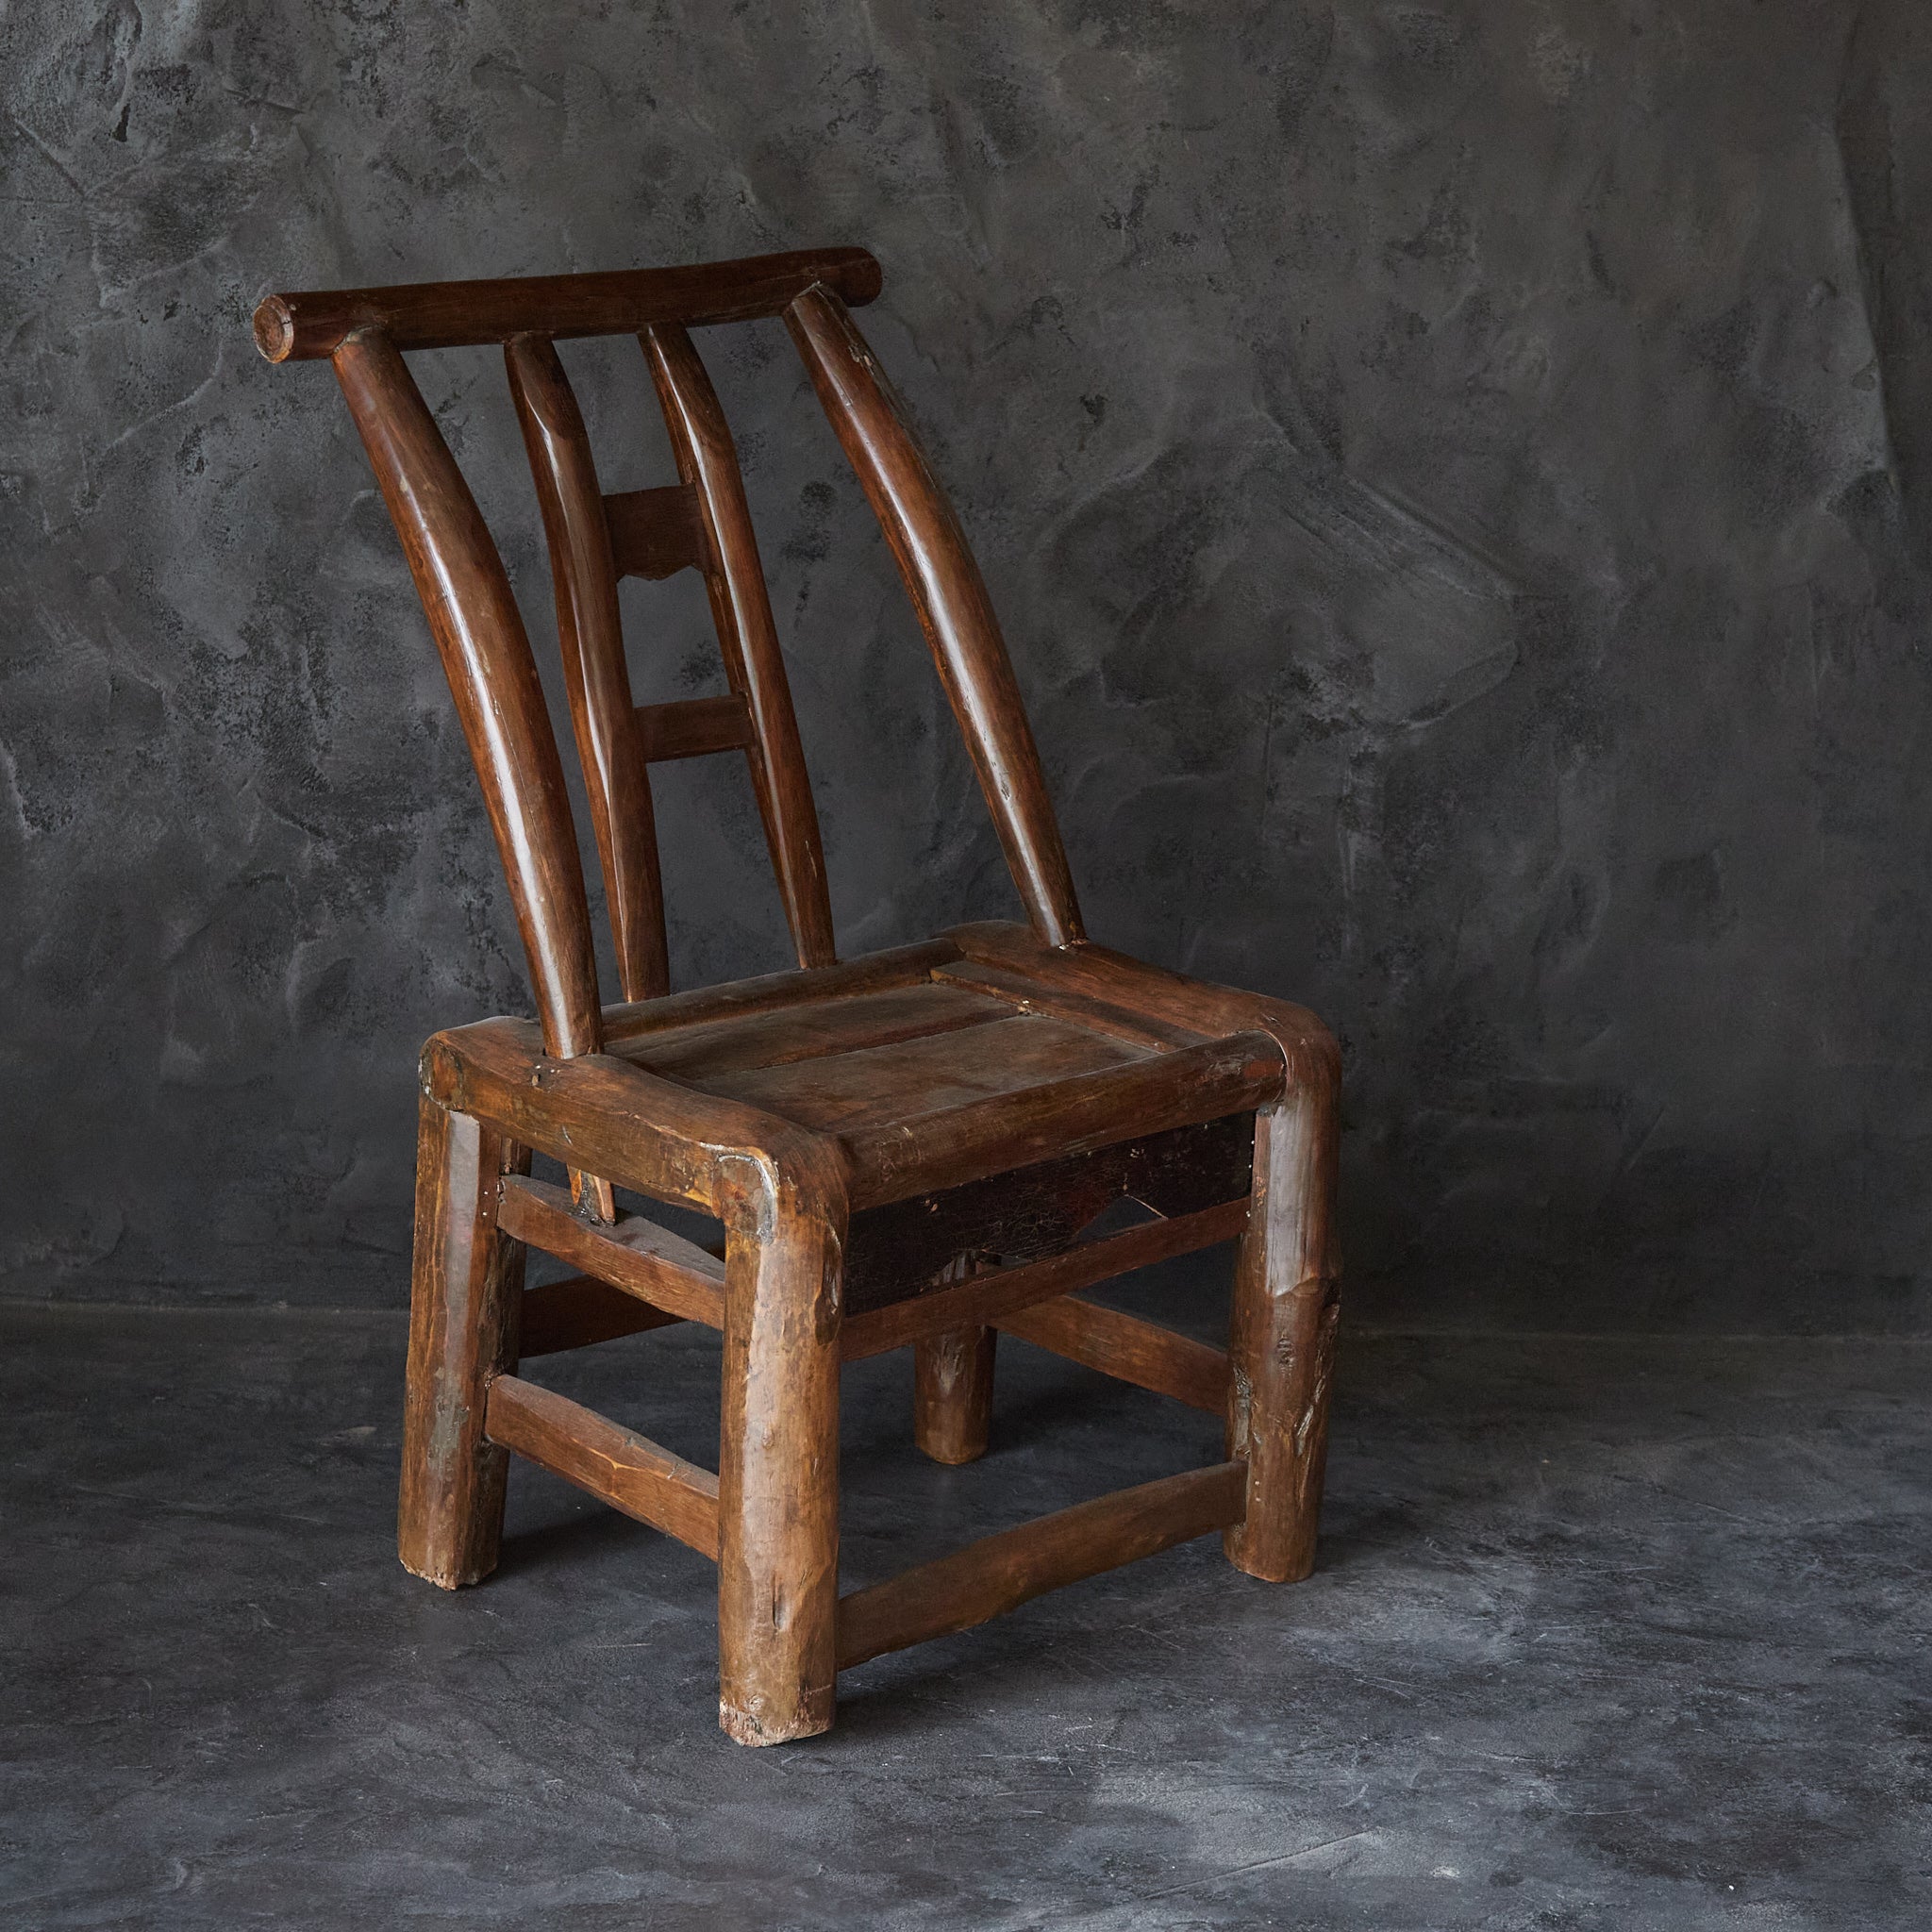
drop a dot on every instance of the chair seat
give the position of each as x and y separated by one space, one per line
923 1069
870 1058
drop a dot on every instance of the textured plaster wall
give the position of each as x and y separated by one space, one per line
1457 478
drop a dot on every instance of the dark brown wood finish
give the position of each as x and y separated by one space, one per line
625 1471
695 728
591 636
492 677
921 1147
633 1254
656 533
950 598
985 1297
741 612
447 315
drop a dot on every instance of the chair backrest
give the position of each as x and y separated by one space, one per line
701 522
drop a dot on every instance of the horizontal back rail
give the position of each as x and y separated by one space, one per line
301 325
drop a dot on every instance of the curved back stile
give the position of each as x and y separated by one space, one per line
950 597
486 655
591 638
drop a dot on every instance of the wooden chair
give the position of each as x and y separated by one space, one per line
905 1147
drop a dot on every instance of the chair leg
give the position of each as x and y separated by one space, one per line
951 1393
778 1478
1281 1344
464 1307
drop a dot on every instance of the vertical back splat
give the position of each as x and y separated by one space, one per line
591 636
741 610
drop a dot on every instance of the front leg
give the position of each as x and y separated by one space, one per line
779 1460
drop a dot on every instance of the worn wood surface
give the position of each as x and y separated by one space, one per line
463 1305
634 1253
1096 971
293 327
703 1051
630 1473
1069 1115
771 992
912 1246
1126 1348
923 1076
778 1464
1098 1016
951 1393
1282 1331
647 1134
1003 1571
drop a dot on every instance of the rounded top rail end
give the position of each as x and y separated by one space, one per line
275 328
301 325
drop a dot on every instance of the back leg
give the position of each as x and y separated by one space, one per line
1281 1346
463 1307
951 1393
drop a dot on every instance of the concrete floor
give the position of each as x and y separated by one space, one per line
1607 1633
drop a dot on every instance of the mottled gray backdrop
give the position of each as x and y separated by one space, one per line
1456 479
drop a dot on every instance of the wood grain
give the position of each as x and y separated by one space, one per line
634 1255
951 1393
930 1240
779 1469
1282 1336
630 1473
893 1160
695 727
656 533
463 1303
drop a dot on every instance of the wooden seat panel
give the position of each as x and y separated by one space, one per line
875 1086
708 1049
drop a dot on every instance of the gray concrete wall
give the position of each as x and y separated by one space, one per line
1456 479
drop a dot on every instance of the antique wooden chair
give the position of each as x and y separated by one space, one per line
905 1147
